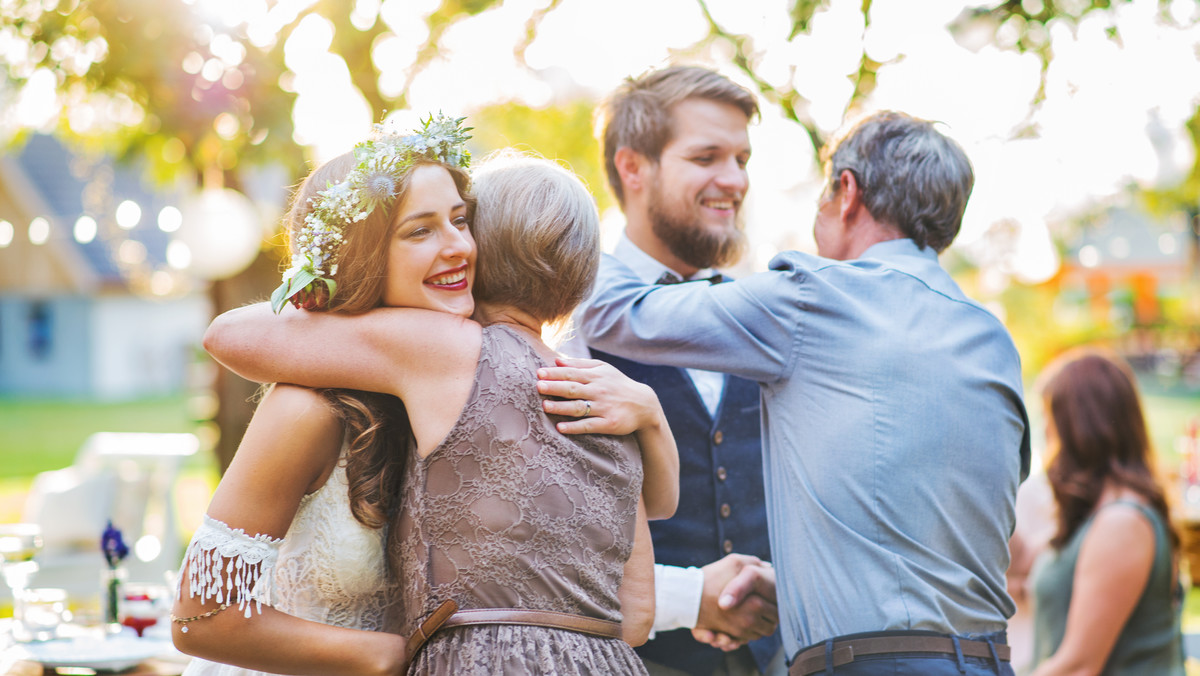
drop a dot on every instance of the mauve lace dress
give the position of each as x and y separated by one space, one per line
508 513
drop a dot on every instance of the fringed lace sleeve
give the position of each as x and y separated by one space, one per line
229 566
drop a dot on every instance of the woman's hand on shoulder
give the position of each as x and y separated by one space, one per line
604 400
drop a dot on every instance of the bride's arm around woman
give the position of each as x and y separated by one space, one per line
249 516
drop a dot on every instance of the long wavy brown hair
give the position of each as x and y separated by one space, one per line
378 432
1098 436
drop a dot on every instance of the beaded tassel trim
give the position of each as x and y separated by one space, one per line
228 566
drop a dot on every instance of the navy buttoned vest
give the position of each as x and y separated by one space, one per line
722 508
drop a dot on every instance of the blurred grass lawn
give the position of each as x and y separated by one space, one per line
45 434
38 435
1168 411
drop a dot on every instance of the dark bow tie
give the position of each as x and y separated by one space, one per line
672 278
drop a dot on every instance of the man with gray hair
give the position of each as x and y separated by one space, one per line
894 428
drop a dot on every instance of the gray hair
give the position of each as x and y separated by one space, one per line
911 176
538 236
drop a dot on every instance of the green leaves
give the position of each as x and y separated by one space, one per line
300 280
291 287
802 12
279 296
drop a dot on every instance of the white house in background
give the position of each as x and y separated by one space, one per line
70 326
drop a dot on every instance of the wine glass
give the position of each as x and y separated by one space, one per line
143 605
19 544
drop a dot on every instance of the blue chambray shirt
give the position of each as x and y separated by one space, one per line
894 431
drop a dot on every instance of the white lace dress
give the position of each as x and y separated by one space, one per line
329 568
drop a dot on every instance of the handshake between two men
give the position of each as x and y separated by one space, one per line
738 603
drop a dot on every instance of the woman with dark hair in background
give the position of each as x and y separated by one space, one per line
1106 592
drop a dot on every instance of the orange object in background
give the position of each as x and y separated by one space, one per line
1145 298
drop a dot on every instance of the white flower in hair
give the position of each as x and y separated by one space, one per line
378 188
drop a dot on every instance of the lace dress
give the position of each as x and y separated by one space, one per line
329 568
508 513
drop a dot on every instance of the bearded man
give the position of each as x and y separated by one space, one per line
675 149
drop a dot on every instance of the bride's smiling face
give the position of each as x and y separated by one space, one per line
431 253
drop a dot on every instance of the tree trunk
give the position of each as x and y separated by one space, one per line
235 394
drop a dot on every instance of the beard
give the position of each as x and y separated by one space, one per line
689 241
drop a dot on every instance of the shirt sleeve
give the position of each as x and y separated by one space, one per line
748 327
677 594
228 566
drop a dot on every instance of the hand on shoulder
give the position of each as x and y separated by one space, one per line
604 400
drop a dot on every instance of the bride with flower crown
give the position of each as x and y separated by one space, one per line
324 538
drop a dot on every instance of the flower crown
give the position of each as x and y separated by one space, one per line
373 182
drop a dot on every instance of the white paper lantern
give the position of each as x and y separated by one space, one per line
221 232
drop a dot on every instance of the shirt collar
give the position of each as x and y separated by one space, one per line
903 255
893 248
646 267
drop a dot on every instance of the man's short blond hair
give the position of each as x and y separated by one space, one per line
638 114
538 235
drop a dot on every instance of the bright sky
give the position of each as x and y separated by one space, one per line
1114 113
1111 114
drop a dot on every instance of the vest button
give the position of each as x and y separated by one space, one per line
718 437
728 546
725 510
721 474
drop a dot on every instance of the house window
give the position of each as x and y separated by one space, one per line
41 336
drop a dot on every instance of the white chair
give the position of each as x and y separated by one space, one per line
128 478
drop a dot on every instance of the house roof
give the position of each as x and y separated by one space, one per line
1126 238
65 186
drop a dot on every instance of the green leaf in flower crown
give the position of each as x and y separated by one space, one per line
279 296
332 285
289 288
301 279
